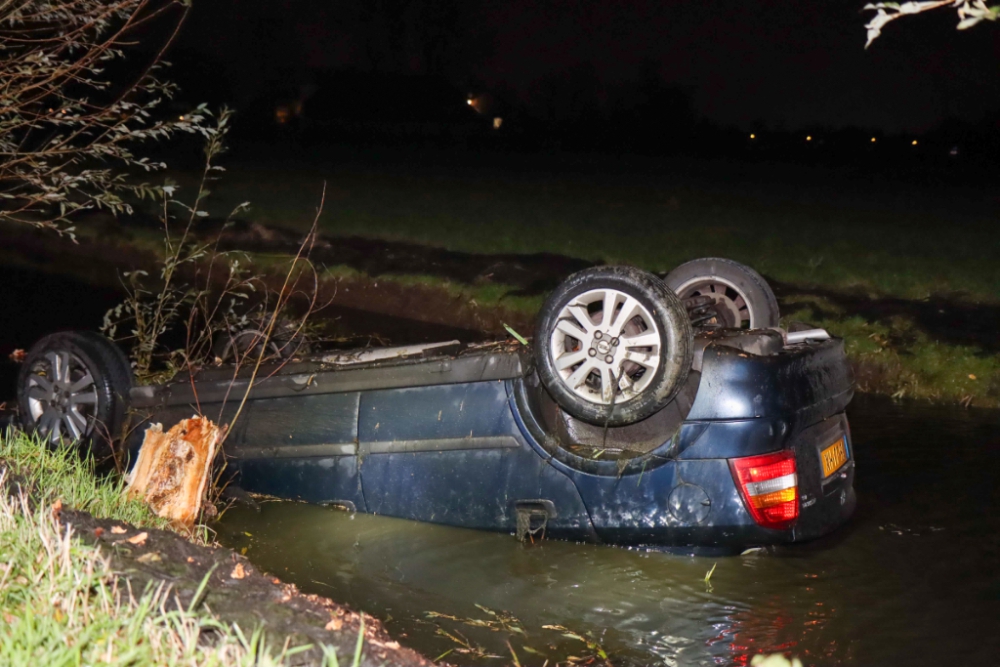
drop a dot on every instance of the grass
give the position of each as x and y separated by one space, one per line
897 358
59 474
800 228
61 602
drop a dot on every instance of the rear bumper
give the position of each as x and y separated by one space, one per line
824 503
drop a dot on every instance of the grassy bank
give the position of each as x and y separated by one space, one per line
62 602
796 225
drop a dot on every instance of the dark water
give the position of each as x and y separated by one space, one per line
913 579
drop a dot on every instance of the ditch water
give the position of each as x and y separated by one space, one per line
912 579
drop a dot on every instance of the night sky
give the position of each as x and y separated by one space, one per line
786 65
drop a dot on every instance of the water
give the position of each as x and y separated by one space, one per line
912 579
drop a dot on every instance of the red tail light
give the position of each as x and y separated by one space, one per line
770 487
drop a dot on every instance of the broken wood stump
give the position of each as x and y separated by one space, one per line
171 472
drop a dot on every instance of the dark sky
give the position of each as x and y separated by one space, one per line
789 64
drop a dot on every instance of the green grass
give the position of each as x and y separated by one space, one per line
808 235
61 603
59 474
895 357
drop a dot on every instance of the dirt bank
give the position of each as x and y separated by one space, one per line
236 591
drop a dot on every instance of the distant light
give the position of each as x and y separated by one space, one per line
809 138
469 102
753 136
180 118
914 143
873 140
497 122
954 151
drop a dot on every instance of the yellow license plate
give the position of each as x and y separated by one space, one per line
833 457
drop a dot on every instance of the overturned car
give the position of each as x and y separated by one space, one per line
651 412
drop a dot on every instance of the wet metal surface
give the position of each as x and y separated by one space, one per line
912 579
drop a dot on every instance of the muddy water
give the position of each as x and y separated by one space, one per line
913 579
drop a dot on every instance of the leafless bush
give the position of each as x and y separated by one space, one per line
69 128
213 296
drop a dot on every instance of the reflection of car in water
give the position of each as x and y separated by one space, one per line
623 423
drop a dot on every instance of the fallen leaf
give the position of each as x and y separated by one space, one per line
276 581
98 531
57 508
238 572
334 624
190 559
971 376
118 530
138 540
151 557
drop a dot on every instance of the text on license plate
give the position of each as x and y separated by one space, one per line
833 457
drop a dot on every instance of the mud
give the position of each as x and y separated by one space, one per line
529 275
237 592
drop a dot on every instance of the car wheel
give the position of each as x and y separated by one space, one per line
245 345
736 296
613 345
74 388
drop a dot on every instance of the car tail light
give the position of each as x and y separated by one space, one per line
770 487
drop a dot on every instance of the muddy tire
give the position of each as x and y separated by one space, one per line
616 370
743 299
73 388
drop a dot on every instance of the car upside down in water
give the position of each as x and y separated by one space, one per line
656 412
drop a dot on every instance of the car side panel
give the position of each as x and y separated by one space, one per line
680 503
302 447
453 454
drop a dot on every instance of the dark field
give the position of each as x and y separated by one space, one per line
909 235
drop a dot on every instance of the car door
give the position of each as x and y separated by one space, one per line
434 453
453 454
302 447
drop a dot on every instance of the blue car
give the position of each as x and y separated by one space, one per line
662 413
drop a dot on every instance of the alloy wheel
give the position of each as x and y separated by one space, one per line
606 346
62 397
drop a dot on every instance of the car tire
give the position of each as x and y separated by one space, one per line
743 299
245 345
583 361
113 354
74 387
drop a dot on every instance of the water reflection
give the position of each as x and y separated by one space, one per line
913 579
